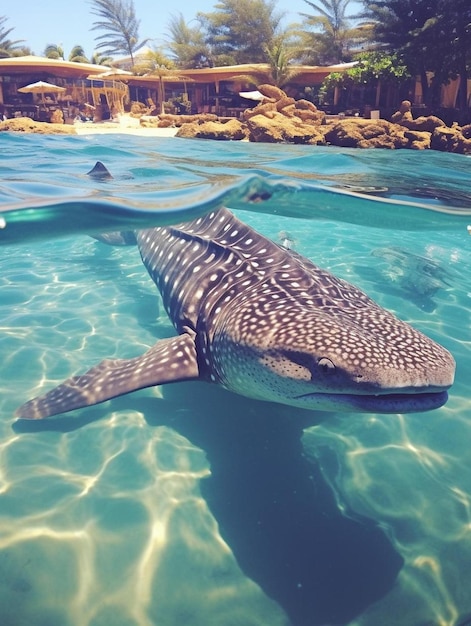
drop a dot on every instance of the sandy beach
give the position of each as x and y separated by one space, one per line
125 125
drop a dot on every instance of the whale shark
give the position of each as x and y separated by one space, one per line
261 320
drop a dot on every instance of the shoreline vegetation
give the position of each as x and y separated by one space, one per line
279 118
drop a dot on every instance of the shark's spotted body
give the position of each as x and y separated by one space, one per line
267 323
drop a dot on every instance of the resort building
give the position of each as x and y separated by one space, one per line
73 89
68 91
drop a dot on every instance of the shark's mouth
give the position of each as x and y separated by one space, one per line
383 403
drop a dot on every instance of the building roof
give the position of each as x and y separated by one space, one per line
304 74
57 67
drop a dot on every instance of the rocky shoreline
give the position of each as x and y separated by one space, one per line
281 119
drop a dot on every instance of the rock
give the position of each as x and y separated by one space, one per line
27 125
264 108
360 133
418 140
305 105
138 109
57 117
281 129
310 116
284 103
233 129
167 120
466 131
270 91
404 114
450 140
426 123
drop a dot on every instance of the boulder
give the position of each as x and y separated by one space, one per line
404 114
232 129
310 116
270 91
167 120
27 125
450 140
282 129
360 133
425 123
284 103
418 140
305 105
264 108
466 131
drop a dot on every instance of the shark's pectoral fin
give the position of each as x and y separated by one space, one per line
170 360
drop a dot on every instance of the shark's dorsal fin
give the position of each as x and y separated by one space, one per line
99 172
169 360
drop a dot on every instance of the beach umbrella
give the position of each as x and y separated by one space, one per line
41 87
251 95
111 74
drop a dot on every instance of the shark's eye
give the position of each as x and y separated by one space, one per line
326 365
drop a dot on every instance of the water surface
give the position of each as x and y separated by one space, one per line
186 504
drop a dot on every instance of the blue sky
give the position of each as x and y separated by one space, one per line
69 23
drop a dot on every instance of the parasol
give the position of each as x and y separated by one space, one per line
41 87
111 74
251 95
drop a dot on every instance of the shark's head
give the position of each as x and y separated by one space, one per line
354 357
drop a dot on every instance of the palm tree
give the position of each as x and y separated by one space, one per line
121 27
77 55
7 46
100 59
155 63
237 30
188 44
279 55
332 34
56 51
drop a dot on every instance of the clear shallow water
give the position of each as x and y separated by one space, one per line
186 504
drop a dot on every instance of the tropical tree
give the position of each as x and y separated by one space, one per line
120 26
328 35
187 44
453 29
56 51
77 55
431 37
374 71
238 30
100 59
279 56
8 47
156 63
406 27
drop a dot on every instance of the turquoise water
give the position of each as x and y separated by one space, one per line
185 504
